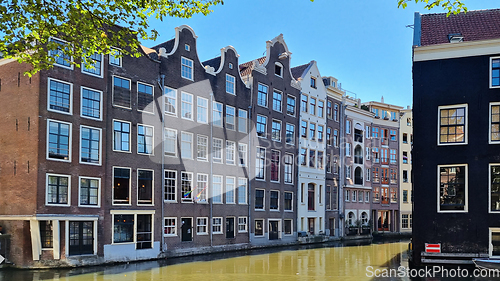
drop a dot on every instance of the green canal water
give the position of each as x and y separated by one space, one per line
320 262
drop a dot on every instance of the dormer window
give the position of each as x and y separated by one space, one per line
455 37
186 47
278 69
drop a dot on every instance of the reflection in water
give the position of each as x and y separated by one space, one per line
323 263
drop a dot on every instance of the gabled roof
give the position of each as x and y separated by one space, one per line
473 26
246 68
215 62
299 70
169 45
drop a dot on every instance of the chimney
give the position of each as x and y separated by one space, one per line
382 99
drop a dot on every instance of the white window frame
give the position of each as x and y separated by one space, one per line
368 174
80 192
113 89
214 225
348 126
230 152
491 74
293 135
214 193
245 224
242 121
242 154
199 115
189 104
278 139
264 134
174 139
174 227
215 122
285 199
129 136
489 187
230 125
281 101
264 165
152 93
198 137
281 69
263 200
191 68
71 67
263 227
230 80
367 196
348 149
100 75
47 190
267 96
285 166
490 244
278 209
291 224
152 139
204 190
490 120
174 91
70 96
466 126
190 144
218 160
201 225
175 187
243 182
367 153
129 187
114 57
466 203
100 103
70 142
100 146
133 213
183 199
228 189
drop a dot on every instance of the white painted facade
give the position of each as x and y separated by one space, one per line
405 196
311 183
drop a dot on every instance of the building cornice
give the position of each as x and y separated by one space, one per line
456 50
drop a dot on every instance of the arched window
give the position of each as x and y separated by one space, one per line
358 176
364 218
350 219
358 155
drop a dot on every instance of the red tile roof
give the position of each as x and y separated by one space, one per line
473 25
246 68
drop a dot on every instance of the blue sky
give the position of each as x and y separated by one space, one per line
363 43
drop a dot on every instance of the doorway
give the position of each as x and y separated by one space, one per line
230 227
273 230
81 238
383 221
186 228
310 225
332 226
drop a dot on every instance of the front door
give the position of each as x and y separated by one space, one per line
229 227
273 230
332 227
310 224
187 234
383 221
81 238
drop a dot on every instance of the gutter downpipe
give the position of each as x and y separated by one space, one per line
211 171
249 192
343 107
162 87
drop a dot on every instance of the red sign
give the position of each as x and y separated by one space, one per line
432 248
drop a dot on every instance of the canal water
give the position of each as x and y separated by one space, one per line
335 261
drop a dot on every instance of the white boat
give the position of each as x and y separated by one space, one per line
487 263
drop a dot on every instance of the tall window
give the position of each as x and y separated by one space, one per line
336 138
145 97
311 198
242 191
261 125
186 186
144 186
230 182
217 114
376 156
303 103
321 108
144 234
186 68
89 191
217 189
123 228
170 182
242 120
452 124
230 84
392 156
275 165
262 95
274 200
312 158
288 201
217 150
59 139
288 161
367 153
394 176
230 152
121 136
374 132
312 106
348 149
90 103
348 126
121 92
495 122
277 100
58 189
329 112
320 160
393 135
259 199
320 133
95 67
367 132
187 106
202 110
290 105
144 139
329 136
217 225
494 188
312 131
186 145
201 188
121 185
290 133
202 148
336 112
242 154
230 117
46 234
170 142
260 164
60 96
170 101
90 145
303 129
452 188
276 130
404 221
